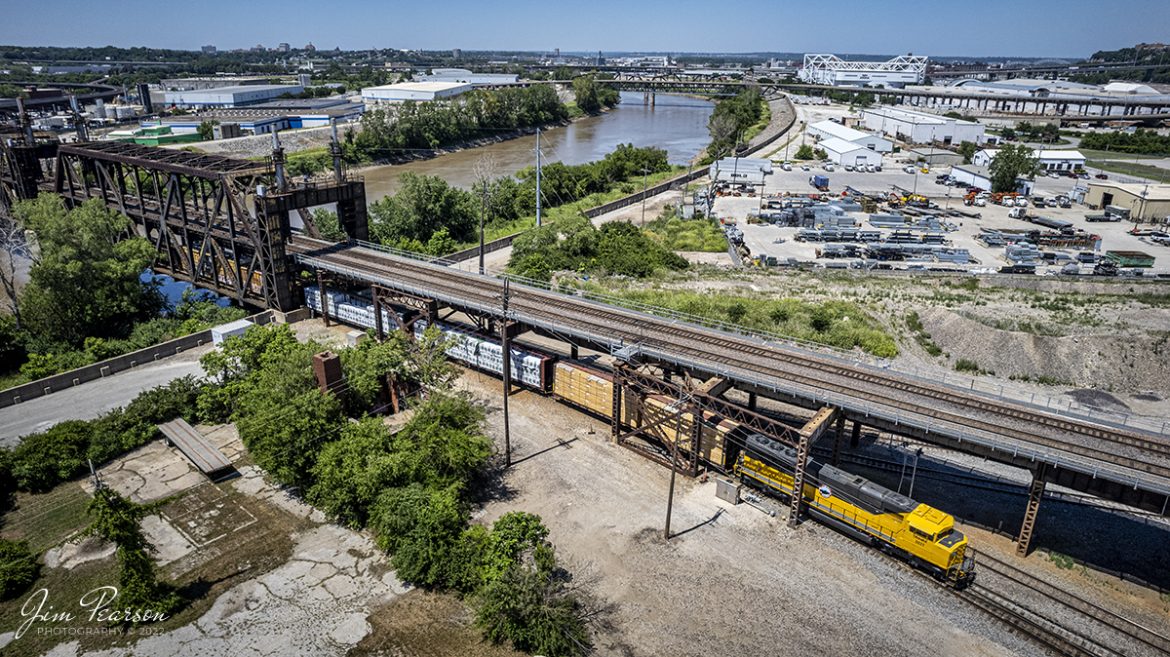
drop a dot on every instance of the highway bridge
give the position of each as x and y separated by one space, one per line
224 224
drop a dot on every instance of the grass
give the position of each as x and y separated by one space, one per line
1062 561
839 324
47 519
914 323
1130 169
1094 154
496 230
678 234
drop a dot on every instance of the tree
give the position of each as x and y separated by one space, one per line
968 149
328 225
207 130
805 152
118 520
421 207
85 281
444 443
1010 163
420 527
14 249
43 460
531 607
18 568
352 471
366 367
585 94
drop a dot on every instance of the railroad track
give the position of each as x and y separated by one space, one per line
1096 631
965 410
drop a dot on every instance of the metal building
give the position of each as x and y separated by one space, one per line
829 129
236 96
416 91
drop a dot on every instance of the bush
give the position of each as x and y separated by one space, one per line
530 607
964 365
116 433
443 444
18 568
352 470
179 398
420 527
43 460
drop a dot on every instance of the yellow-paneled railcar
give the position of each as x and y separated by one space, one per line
920 534
592 390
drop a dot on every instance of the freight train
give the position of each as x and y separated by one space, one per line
921 535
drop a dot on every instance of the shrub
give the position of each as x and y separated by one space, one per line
179 398
18 568
43 460
531 607
964 365
116 433
352 470
420 528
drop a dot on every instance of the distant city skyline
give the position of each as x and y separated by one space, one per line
993 28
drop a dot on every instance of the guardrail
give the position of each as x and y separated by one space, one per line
65 380
852 358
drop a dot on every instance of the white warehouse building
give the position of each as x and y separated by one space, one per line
847 153
829 129
416 91
1056 160
920 127
237 96
832 70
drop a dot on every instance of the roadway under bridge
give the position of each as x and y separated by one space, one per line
225 224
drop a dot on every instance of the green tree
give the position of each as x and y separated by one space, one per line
444 443
118 520
421 207
43 460
352 471
968 149
585 94
805 152
18 568
1010 163
207 130
329 226
421 528
366 367
531 607
86 279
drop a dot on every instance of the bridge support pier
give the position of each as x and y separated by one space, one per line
324 297
573 351
797 502
752 401
1035 494
855 439
838 436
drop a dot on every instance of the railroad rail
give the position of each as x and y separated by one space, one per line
1096 631
862 389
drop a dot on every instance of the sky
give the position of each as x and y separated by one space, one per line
1025 28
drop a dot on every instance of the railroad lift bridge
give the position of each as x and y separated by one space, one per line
225 224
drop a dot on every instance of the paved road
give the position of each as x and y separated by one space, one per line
91 399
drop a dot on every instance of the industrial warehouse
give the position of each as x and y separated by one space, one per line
355 348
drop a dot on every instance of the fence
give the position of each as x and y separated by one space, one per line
102 369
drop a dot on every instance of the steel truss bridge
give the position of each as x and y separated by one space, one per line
225 224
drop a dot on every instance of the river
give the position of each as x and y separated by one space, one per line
675 123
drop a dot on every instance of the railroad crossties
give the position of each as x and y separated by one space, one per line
661 362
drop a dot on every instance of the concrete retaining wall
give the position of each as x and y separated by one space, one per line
99 370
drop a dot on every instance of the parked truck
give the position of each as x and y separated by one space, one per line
1111 213
820 182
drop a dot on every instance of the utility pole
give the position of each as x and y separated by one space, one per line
507 349
482 213
913 472
538 177
644 172
673 469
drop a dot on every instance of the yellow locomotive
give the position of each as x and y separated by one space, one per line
920 534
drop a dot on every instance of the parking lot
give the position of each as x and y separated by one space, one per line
780 242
